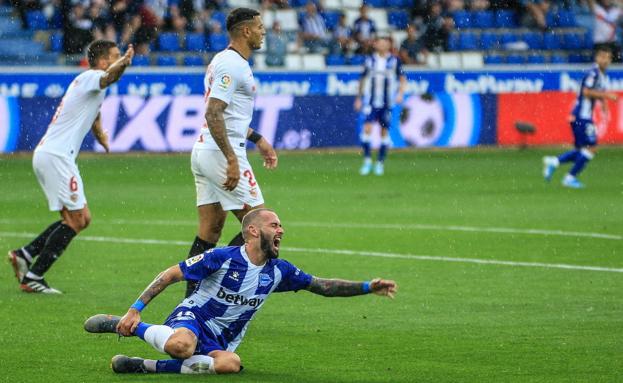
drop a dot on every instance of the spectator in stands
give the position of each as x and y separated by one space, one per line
411 49
479 5
276 46
146 25
342 37
23 6
437 29
452 6
103 28
275 4
536 12
78 30
314 33
607 16
364 31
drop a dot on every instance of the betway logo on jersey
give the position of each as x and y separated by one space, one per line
238 299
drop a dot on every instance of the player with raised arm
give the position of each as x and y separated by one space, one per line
585 135
203 332
382 85
54 163
224 178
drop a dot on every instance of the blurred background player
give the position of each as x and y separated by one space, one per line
219 157
584 133
54 163
205 329
382 85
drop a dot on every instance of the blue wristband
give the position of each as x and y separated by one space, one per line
366 287
138 305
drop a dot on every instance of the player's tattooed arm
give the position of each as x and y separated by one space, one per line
216 124
171 275
116 69
335 287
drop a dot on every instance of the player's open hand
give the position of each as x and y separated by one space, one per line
233 174
268 153
129 322
383 287
129 55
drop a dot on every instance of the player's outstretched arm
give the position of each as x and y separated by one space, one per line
116 69
342 288
216 124
131 319
100 135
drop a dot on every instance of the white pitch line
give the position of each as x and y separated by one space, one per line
413 226
348 252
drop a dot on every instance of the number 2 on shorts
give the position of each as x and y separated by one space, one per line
247 173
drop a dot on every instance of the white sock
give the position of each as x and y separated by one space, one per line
157 336
569 177
198 364
34 276
150 365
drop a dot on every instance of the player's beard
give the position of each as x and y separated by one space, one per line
266 245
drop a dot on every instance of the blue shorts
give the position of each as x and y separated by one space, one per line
379 114
184 317
584 133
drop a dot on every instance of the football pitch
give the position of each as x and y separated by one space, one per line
503 278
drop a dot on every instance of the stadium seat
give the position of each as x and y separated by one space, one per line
195 42
575 58
56 42
218 42
505 19
536 59
168 42
288 19
36 20
335 60
462 19
515 59
533 39
294 61
551 41
379 16
483 19
396 4
331 4
357 60
493 59
398 19
193 60
375 3
314 62
565 19
331 19
508 37
489 41
468 41
221 18
166 61
588 40
558 59
572 41
297 3
141 60
453 42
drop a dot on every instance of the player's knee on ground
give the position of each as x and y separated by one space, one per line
227 363
180 347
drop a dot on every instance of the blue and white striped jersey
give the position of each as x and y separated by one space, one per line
583 109
382 77
232 289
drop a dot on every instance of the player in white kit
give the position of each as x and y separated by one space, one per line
54 163
204 330
224 178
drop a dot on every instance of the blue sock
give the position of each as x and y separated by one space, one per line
569 156
169 365
382 153
580 163
366 149
141 328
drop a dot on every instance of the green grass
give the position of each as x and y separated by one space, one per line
451 321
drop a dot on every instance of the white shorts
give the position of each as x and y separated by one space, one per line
210 168
60 180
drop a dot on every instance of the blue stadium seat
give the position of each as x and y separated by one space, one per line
168 42
297 3
576 58
533 39
505 19
36 20
56 21
493 59
195 42
489 41
399 19
588 40
515 59
193 60
56 42
333 60
565 19
141 60
462 19
375 3
221 18
558 59
453 42
331 19
536 59
468 41
508 37
166 61
483 19
397 4
551 41
572 41
218 41
357 60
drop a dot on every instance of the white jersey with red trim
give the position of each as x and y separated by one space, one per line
74 116
229 78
